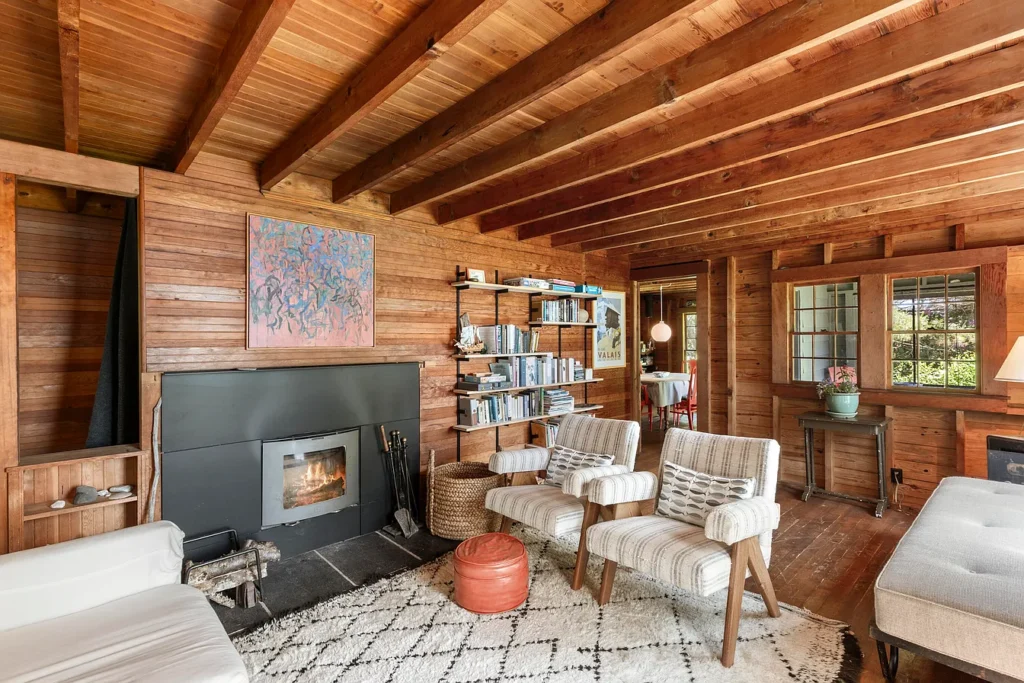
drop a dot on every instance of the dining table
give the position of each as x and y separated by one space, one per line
668 389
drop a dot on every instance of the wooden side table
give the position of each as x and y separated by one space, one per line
877 426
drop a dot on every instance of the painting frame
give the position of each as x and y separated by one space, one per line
249 345
609 340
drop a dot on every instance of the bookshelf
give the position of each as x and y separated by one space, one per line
497 290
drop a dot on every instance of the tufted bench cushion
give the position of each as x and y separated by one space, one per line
955 583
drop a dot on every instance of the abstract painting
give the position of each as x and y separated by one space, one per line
308 285
609 336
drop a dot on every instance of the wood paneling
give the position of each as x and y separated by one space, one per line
65 270
195 283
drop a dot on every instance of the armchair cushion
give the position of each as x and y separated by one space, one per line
733 522
622 488
525 460
565 460
575 483
539 506
689 496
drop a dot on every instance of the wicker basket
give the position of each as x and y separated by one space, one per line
457 490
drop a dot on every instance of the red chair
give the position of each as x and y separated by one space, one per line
689 406
646 402
836 373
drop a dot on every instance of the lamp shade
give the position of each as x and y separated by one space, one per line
1012 369
662 333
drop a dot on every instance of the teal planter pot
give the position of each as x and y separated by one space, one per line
843 405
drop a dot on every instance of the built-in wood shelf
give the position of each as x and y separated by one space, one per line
471 356
535 418
553 323
43 510
33 462
492 287
510 390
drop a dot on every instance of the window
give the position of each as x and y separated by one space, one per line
934 331
689 336
824 329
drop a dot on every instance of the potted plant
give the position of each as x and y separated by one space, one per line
842 397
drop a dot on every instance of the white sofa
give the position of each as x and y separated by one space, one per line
110 608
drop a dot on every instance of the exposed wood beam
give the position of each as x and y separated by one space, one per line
8 345
950 260
611 31
68 21
430 35
966 30
668 271
53 167
779 34
254 30
915 170
959 236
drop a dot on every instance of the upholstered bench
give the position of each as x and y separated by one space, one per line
953 590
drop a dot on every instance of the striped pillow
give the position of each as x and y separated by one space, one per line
689 496
564 460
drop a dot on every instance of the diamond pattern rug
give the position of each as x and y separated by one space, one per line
407 628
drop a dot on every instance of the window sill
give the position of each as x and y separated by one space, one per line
906 398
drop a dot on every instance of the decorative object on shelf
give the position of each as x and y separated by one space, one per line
469 338
58 504
103 493
609 336
475 275
661 332
457 490
842 397
121 488
308 285
583 316
85 494
120 495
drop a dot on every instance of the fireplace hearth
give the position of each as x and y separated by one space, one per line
309 476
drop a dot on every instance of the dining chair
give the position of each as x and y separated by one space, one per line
645 401
689 406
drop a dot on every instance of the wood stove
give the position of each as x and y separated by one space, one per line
309 476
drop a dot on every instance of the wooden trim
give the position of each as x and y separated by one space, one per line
730 342
782 354
873 337
68 20
961 443
149 394
991 324
906 398
81 456
14 538
704 352
634 399
8 355
53 167
251 35
968 258
429 36
669 271
777 421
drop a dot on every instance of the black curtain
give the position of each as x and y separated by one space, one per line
115 412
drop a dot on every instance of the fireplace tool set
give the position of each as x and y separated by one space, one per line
396 463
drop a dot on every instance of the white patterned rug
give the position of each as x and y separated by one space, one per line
407 629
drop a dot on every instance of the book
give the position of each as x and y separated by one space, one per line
483 386
527 282
589 289
567 283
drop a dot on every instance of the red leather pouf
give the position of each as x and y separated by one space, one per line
492 573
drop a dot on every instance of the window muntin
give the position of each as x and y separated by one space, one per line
689 336
934 332
825 325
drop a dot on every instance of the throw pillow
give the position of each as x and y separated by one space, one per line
689 496
565 460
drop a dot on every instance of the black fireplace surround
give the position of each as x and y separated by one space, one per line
214 425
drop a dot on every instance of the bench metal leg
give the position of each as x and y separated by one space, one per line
890 662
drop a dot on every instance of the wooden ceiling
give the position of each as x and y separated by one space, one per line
658 130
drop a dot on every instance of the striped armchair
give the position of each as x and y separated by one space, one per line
557 508
701 555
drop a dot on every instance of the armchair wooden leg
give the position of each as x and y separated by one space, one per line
506 524
607 579
734 603
590 514
759 570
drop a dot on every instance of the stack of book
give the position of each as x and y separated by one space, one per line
499 408
557 402
508 339
559 310
567 286
484 381
527 282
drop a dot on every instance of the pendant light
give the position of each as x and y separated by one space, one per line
661 332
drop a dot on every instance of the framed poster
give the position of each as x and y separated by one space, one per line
308 285
610 333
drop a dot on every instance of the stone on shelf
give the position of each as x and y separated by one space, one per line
58 504
103 493
119 495
85 494
121 488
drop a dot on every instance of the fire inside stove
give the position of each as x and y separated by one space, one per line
313 477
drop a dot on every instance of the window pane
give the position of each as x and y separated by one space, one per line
846 320
962 287
963 375
803 297
931 346
903 347
903 315
824 296
846 346
961 315
931 314
823 346
961 347
825 320
904 289
932 374
802 346
821 367
903 372
804 321
803 371
691 344
846 294
932 286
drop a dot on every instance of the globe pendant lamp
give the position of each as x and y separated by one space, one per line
661 332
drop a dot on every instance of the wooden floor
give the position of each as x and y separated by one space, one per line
825 557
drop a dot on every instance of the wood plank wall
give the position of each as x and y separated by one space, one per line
65 266
925 444
194 280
